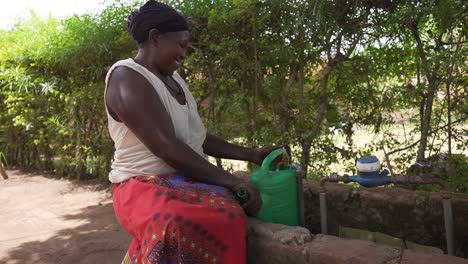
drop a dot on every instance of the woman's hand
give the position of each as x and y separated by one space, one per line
254 201
261 153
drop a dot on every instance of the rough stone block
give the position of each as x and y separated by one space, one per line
263 251
381 238
288 235
410 257
423 249
333 250
277 244
354 233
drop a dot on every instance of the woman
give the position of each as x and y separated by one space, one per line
178 207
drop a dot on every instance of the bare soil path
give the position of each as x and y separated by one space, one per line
49 220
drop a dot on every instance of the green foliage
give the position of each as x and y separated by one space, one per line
453 169
51 79
2 157
457 175
308 74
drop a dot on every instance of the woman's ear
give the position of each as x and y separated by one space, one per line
153 36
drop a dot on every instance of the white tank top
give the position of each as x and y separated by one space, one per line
131 157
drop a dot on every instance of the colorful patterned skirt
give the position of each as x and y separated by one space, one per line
174 219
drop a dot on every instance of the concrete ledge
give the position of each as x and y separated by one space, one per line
413 216
392 216
278 244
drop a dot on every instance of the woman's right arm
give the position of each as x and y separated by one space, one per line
132 100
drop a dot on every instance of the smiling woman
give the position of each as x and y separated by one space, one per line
178 206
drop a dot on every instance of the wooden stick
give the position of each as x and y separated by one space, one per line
3 172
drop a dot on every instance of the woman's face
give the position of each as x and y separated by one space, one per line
172 47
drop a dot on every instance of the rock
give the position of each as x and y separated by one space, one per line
410 257
276 244
288 235
332 250
264 251
423 249
453 169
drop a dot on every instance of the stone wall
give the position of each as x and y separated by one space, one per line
413 216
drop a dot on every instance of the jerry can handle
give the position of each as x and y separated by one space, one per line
266 165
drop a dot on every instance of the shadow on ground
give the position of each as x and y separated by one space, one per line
95 184
98 240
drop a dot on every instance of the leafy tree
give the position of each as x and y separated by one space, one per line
302 73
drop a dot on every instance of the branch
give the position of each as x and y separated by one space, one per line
387 160
353 45
454 43
401 149
345 153
413 26
293 72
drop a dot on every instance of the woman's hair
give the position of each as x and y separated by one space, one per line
155 15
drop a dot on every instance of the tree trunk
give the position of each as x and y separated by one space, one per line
257 75
449 83
426 125
247 112
304 141
293 72
431 79
80 170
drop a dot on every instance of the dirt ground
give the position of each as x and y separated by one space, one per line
49 220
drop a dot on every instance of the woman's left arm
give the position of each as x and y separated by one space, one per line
219 148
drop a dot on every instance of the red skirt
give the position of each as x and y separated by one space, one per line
173 219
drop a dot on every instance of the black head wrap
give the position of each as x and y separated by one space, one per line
155 15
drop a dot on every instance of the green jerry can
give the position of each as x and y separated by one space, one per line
278 187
